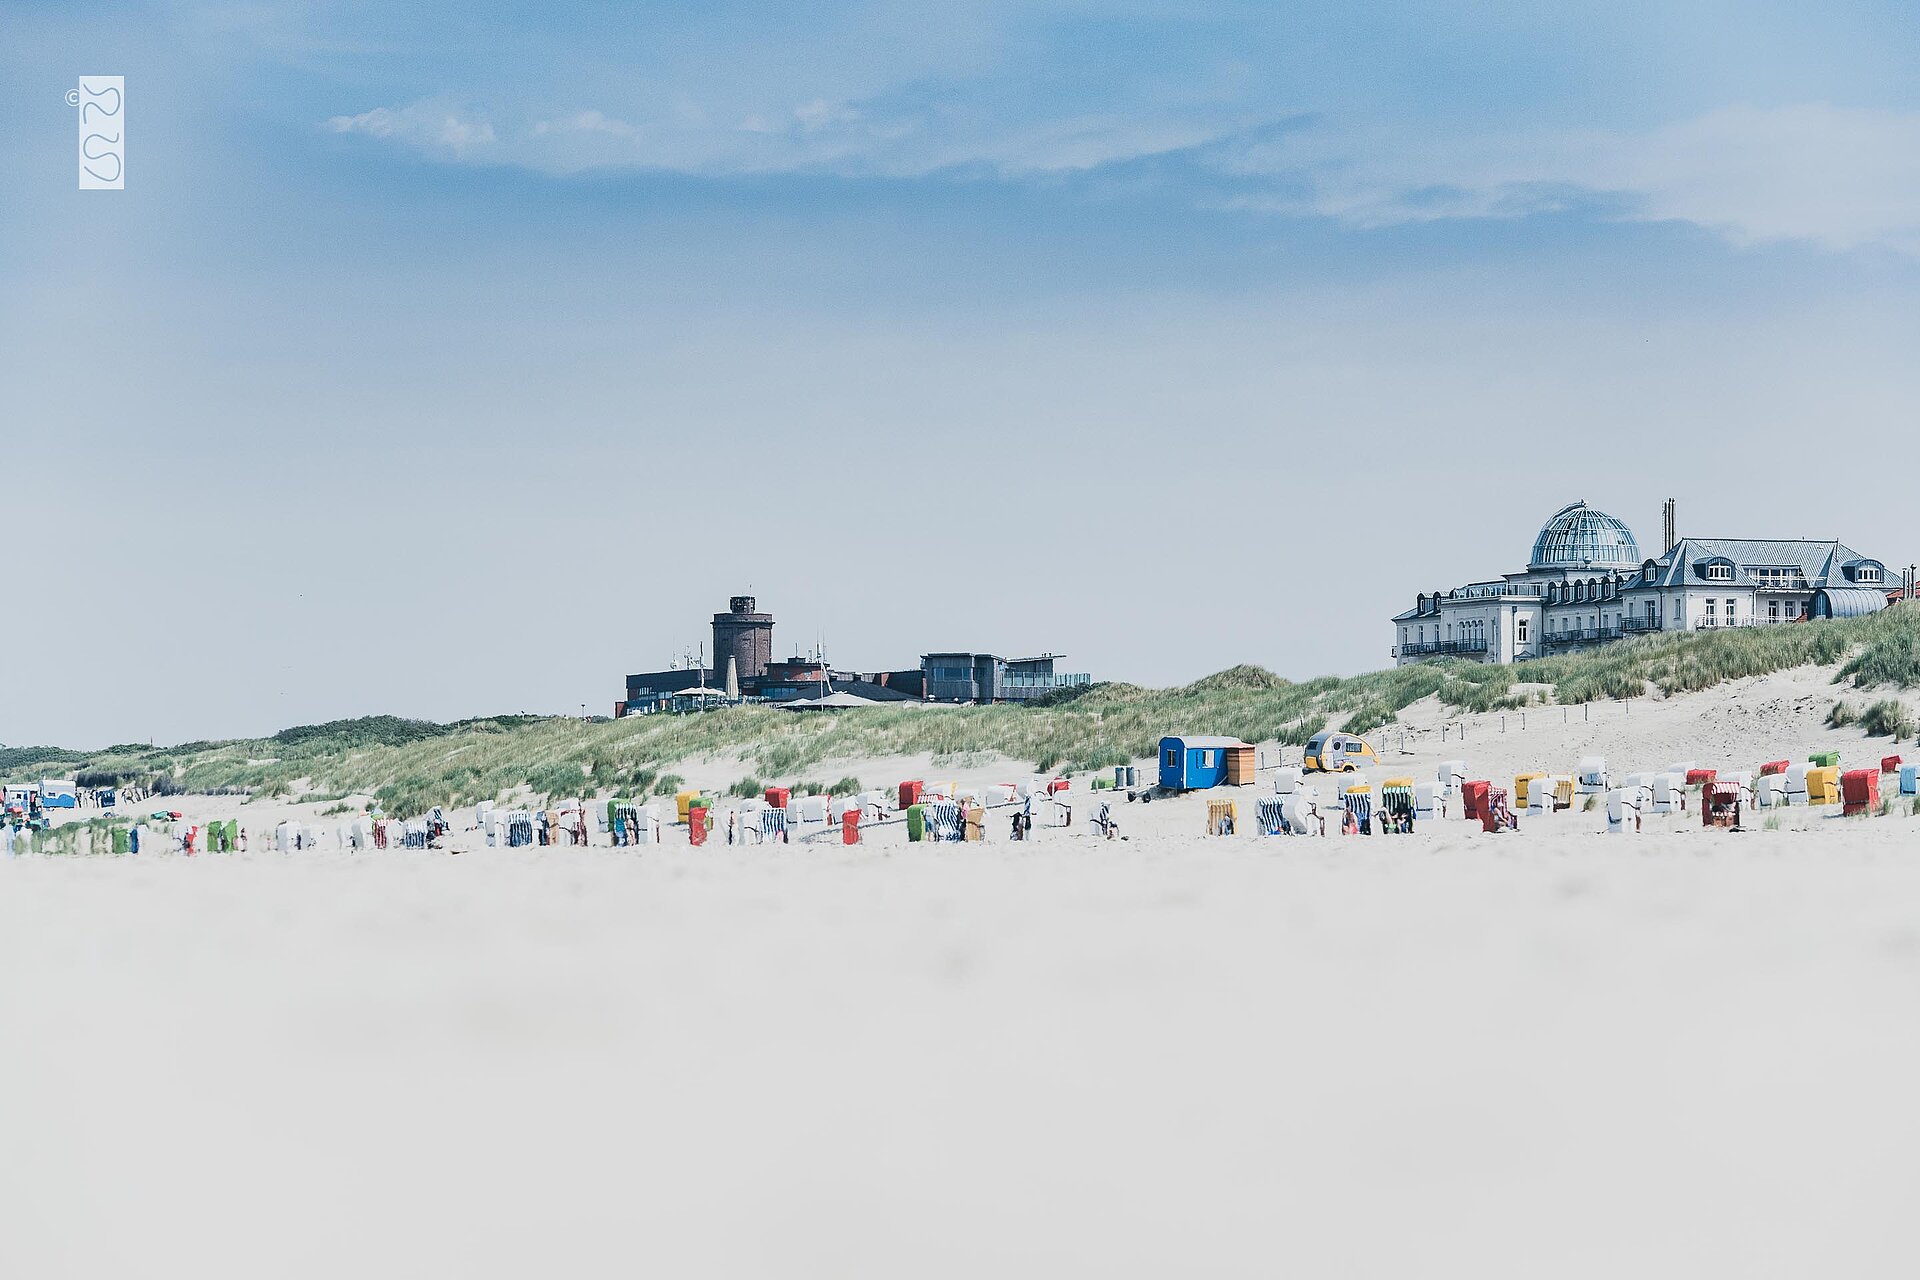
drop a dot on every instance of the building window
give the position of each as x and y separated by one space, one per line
1730 613
1868 573
1720 571
1713 613
1520 631
1773 611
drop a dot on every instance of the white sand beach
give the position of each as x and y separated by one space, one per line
1544 1053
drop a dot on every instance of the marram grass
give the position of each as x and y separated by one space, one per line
411 765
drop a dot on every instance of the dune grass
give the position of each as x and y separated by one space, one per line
410 765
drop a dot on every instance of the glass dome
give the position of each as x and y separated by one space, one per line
1578 537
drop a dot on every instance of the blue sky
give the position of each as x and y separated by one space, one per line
447 359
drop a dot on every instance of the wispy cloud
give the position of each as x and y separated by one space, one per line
1842 178
431 126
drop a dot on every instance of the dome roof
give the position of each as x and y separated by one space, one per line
1578 537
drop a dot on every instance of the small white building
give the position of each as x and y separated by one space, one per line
1586 584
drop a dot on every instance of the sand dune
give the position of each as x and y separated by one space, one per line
1554 1053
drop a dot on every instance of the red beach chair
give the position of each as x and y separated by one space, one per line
1859 791
1494 813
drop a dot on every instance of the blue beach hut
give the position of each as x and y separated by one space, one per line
1193 764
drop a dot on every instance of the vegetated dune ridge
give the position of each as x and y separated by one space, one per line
410 765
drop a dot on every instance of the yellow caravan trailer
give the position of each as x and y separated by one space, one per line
1334 752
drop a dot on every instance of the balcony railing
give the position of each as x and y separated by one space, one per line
1430 648
1586 635
1634 626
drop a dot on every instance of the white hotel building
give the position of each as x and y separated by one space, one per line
1587 584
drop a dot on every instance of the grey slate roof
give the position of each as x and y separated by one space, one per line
1818 562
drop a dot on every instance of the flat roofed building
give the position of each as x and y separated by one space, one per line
986 677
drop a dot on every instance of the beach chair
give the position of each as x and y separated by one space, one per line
1670 792
946 821
1396 806
1564 787
1286 779
1684 767
1796 777
1451 776
1358 804
1592 776
1770 791
1774 766
773 825
1720 805
1910 779
1523 790
1222 816
1428 802
1473 798
1496 814
1302 812
1624 807
1823 785
1860 792
807 815
1270 816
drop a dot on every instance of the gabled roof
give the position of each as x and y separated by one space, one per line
1818 562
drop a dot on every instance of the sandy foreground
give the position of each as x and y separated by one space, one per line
1555 1053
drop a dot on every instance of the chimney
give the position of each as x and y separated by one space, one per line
1668 522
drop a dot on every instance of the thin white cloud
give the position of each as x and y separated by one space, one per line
428 125
1841 178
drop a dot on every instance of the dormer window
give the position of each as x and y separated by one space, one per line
1717 571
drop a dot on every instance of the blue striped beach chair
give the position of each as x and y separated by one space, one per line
945 821
1359 802
1269 816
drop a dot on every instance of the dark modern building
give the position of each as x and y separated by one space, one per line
651 690
743 639
987 677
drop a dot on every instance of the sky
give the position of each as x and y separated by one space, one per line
456 359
